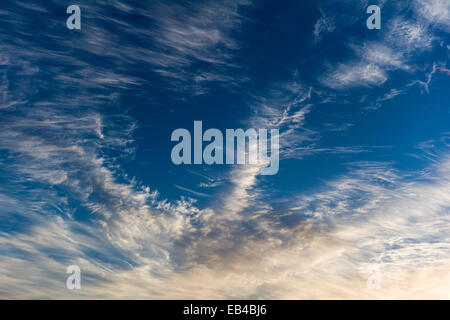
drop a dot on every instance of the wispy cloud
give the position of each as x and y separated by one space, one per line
435 12
401 40
67 200
322 26
201 33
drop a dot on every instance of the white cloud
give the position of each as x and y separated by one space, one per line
407 36
323 25
355 75
370 68
200 33
435 12
400 43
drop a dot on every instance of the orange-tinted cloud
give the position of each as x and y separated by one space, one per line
444 70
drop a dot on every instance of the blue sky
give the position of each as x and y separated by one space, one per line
86 176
